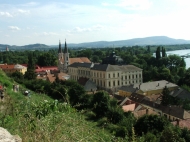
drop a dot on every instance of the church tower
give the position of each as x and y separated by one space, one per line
60 57
60 53
66 57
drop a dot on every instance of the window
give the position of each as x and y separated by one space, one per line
109 75
118 82
113 83
109 84
118 74
114 75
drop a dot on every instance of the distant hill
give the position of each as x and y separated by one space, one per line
25 47
154 40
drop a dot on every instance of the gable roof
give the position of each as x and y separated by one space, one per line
88 84
171 110
148 86
180 93
107 67
130 107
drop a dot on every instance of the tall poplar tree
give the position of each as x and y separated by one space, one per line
30 73
158 56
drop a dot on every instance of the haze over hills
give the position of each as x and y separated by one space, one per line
154 40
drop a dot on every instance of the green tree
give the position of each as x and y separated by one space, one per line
30 73
101 103
158 56
46 59
169 135
163 52
151 123
166 99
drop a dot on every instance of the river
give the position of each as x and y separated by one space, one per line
181 52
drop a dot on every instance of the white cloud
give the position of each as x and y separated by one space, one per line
90 29
6 14
7 35
135 4
131 4
23 11
47 34
14 28
30 4
50 34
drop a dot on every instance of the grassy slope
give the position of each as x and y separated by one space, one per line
17 115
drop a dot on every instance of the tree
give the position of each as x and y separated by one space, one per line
46 59
169 135
163 52
165 96
100 103
151 123
30 73
158 56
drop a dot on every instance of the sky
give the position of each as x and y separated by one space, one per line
24 22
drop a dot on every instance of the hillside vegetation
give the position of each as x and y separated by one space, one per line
39 118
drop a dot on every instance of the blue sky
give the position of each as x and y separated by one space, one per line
25 22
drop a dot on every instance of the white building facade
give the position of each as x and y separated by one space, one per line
106 76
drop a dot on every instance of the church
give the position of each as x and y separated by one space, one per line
64 61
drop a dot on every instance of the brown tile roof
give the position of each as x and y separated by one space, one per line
182 123
7 66
63 76
51 77
142 112
79 60
130 107
170 110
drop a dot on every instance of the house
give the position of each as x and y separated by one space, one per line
106 76
170 112
182 123
61 76
13 68
180 93
147 88
89 86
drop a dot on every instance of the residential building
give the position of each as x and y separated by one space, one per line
106 76
64 61
147 88
13 68
170 112
89 86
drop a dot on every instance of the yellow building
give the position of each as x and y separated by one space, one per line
148 88
13 68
